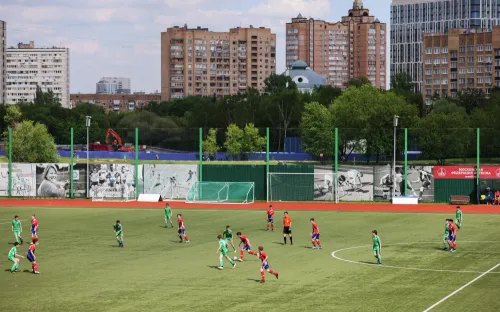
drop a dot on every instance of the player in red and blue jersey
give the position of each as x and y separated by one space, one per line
181 229
246 246
34 230
270 218
315 235
32 258
452 235
265 265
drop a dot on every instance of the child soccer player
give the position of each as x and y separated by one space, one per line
118 229
17 229
181 229
168 215
34 230
287 228
222 251
445 236
452 236
377 247
270 218
228 236
14 257
458 215
315 235
265 265
246 246
32 258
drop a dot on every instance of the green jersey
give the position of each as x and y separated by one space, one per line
17 225
168 212
223 246
459 215
228 234
446 228
12 253
118 228
376 241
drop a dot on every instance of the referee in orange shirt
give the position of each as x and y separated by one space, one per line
287 228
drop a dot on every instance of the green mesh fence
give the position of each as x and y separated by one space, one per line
221 192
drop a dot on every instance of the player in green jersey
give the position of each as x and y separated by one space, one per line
458 214
445 235
118 229
222 252
168 215
377 247
17 229
14 257
228 236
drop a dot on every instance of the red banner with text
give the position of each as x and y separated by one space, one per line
466 172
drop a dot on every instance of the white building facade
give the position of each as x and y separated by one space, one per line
28 67
3 44
113 85
410 19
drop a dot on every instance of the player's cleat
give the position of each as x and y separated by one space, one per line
262 281
187 241
276 275
445 249
452 250
320 247
17 270
36 272
240 260
313 247
234 265
220 268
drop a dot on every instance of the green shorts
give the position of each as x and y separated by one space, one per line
12 259
223 253
229 239
118 234
445 237
168 217
17 233
458 221
376 250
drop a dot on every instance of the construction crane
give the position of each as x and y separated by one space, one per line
116 143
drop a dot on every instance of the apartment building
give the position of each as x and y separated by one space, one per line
196 61
340 51
116 102
28 66
3 45
410 19
460 59
113 85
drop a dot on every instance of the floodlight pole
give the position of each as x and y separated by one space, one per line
87 125
396 118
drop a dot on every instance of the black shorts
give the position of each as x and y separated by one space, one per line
287 230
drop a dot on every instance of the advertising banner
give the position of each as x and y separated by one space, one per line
466 172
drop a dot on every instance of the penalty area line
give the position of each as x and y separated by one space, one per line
460 289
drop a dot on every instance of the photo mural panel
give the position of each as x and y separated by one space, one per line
169 181
113 181
23 180
420 182
80 180
52 180
355 183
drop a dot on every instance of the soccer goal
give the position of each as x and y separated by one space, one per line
221 192
317 186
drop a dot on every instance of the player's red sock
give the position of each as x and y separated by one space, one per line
455 245
187 238
273 272
272 226
319 243
262 275
252 252
268 226
35 266
241 254
314 243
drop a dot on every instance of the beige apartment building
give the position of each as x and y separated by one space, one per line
460 59
196 61
116 102
351 48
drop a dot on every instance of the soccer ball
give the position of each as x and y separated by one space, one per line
235 258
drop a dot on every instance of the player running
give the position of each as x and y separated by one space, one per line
315 235
270 218
118 229
445 235
458 214
168 215
246 246
34 230
181 229
228 236
377 247
265 265
17 229
32 258
287 228
14 257
452 236
222 251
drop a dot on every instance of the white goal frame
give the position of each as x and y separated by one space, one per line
223 193
333 177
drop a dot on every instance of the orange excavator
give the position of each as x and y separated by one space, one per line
116 143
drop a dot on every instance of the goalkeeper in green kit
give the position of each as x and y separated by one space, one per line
118 229
377 247
458 215
168 215
222 251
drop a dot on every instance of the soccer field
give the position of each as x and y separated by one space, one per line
82 269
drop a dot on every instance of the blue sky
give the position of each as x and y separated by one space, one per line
122 37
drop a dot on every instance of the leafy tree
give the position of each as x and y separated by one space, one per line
358 82
402 84
210 146
445 106
325 95
252 141
32 143
471 98
317 129
234 137
46 98
278 83
12 116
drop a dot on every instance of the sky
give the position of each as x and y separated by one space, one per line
121 38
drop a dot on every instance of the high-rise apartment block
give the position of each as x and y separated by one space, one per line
28 66
460 59
200 62
351 48
113 85
3 45
410 19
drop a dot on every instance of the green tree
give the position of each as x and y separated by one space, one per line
210 146
12 116
234 138
252 141
32 143
325 95
278 83
402 84
317 129
46 98
358 82
471 98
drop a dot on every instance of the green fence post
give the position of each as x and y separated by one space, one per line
200 175
10 162
71 182
336 163
267 163
136 163
478 165
406 162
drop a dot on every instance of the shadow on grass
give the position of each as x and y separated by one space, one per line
27 271
213 267
279 243
368 262
255 280
176 241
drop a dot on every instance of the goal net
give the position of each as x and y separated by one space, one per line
221 192
317 186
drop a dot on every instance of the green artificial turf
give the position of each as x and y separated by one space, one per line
82 269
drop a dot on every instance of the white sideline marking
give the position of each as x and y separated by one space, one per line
458 290
408 268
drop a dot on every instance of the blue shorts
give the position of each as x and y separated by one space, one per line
315 236
451 237
265 265
30 257
245 247
180 231
270 219
34 232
